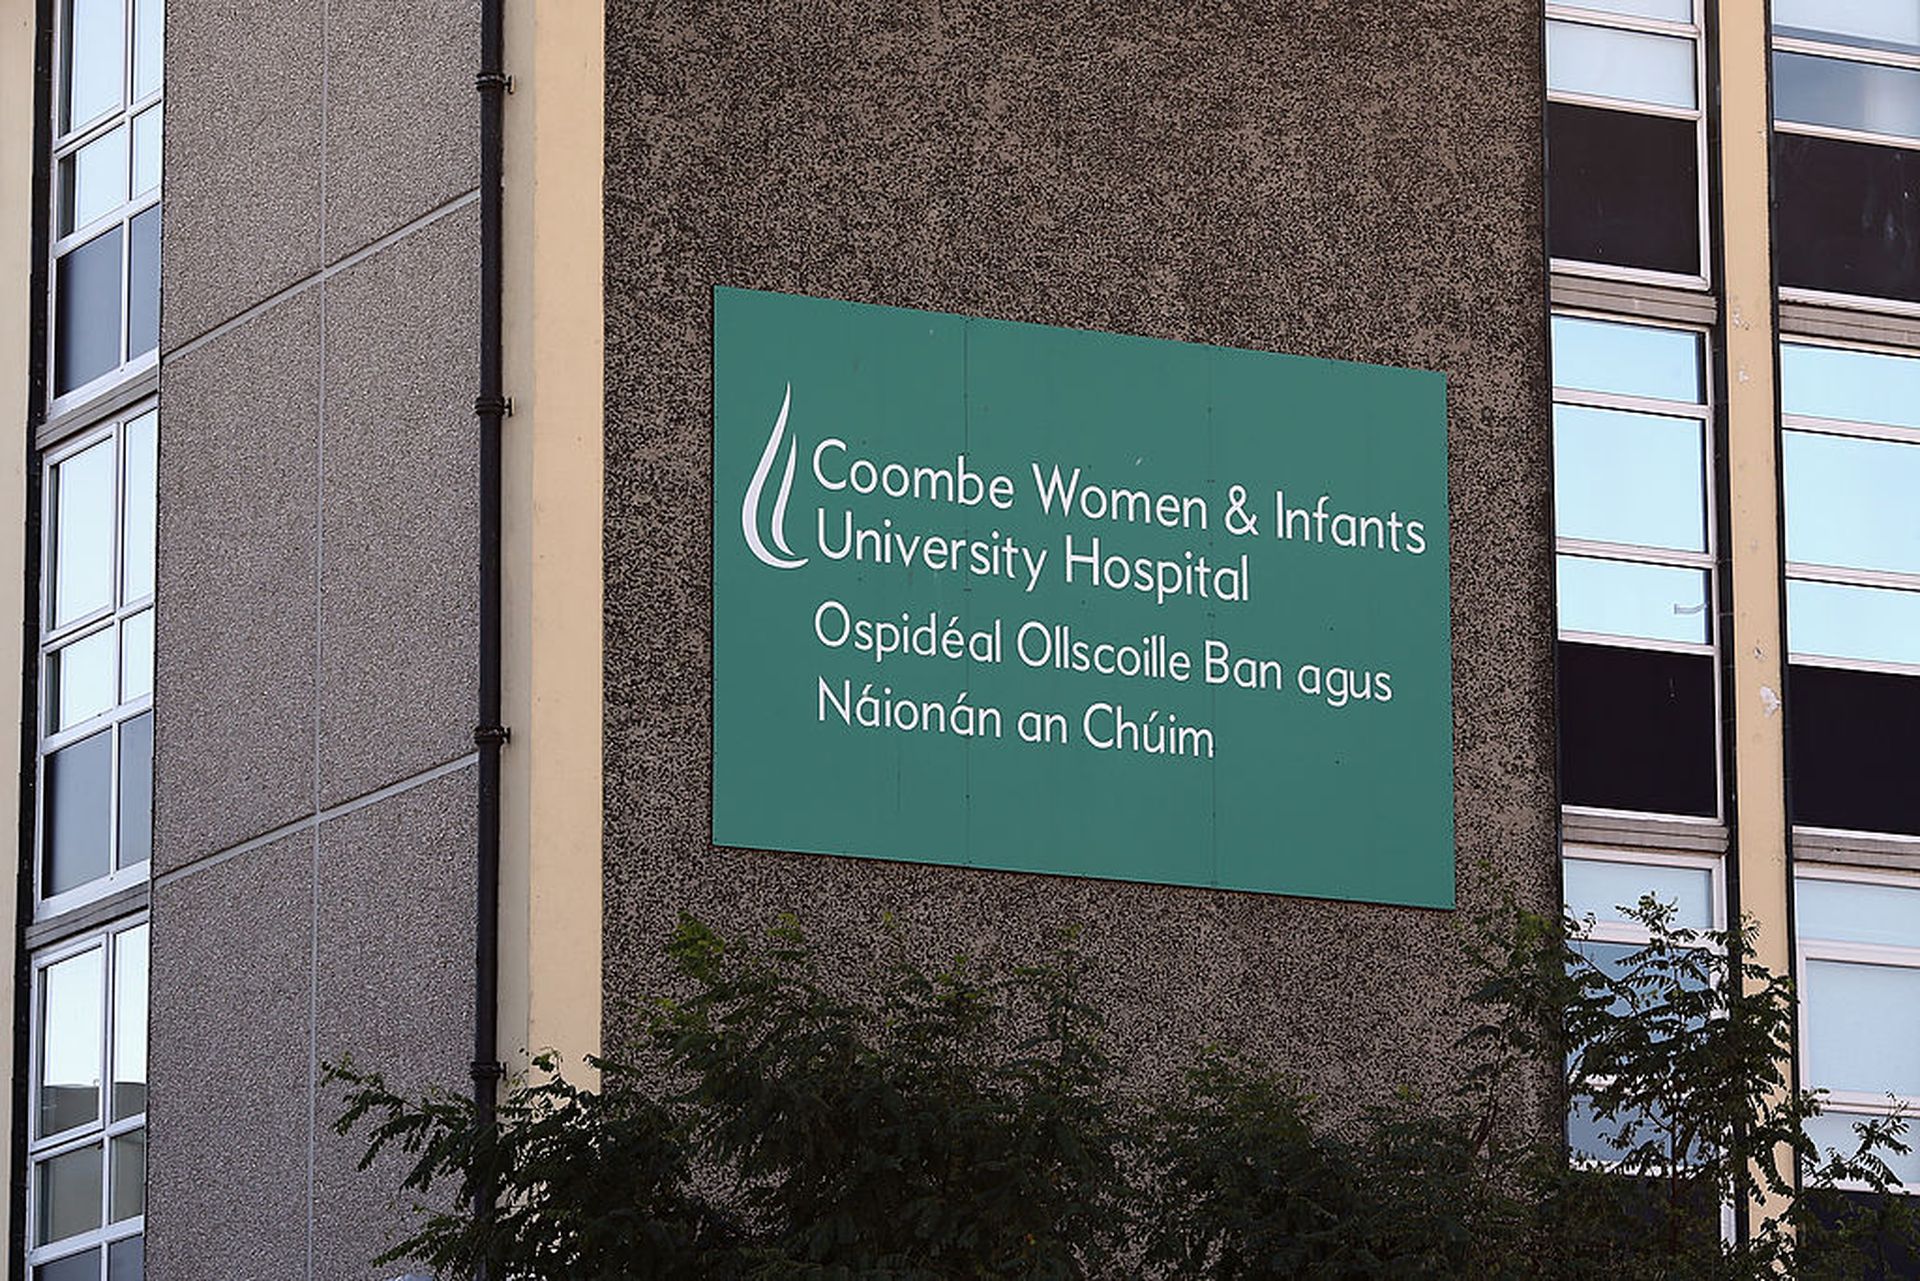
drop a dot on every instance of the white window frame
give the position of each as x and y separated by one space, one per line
103 1130
1707 561
1853 1103
1695 31
114 718
66 144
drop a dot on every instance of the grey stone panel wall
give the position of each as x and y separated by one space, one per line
317 615
1351 180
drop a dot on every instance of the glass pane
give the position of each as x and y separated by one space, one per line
1623 188
149 35
1834 1132
136 790
141 444
1857 1039
72 1018
1850 386
69 1189
1632 360
1631 66
95 57
1869 24
146 152
1602 888
84 1266
1621 598
130 1023
136 656
93 180
1873 624
127 1186
127 1259
83 533
80 680
1856 912
1842 94
143 282
1667 10
76 824
1841 724
1639 729
87 323
1629 478
1851 502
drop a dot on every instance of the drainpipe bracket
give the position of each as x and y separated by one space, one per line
493 80
498 406
484 734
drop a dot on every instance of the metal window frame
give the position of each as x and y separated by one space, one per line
105 1128
113 617
1696 31
1616 930
1850 1103
1707 561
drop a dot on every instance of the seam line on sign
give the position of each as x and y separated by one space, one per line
306 821
325 273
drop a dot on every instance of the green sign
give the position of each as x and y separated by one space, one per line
1010 596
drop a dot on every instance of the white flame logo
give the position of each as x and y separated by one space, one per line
750 509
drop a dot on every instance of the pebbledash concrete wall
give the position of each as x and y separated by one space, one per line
315 683
1324 177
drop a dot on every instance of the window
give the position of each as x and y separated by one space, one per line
1625 136
106 188
1859 963
1634 529
96 716
88 1103
1846 96
1851 464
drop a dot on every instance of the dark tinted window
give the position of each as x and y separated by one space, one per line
1638 730
1852 738
78 808
87 328
1623 188
1849 216
143 283
136 790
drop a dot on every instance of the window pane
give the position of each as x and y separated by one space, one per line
84 1266
143 282
136 790
1856 912
127 1259
87 326
130 1023
136 656
1638 730
95 57
1872 624
1602 888
1632 360
69 1188
1857 1039
1869 24
127 1187
1623 188
1833 1131
1840 726
1629 478
80 680
77 821
1622 598
72 1020
146 152
83 534
148 38
141 444
1669 10
1850 386
93 180
1629 65
1851 502
1848 216
1842 94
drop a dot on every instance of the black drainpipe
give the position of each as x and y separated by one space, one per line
489 734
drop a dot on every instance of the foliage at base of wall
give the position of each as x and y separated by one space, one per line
968 1120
